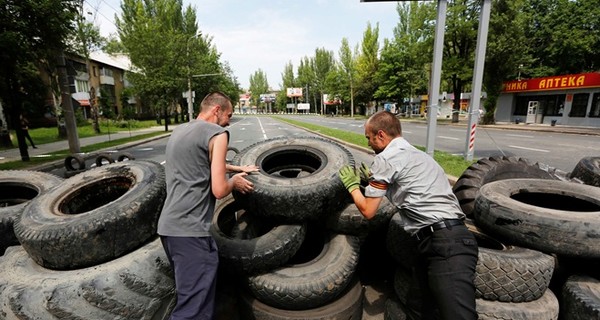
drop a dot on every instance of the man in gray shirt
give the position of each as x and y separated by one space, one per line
196 176
418 186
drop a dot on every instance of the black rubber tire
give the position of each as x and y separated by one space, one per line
588 171
102 158
580 298
79 162
272 245
69 174
546 308
508 273
138 285
283 180
17 189
546 215
491 169
95 216
349 306
311 284
125 156
230 150
351 220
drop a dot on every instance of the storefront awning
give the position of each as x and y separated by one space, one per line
84 103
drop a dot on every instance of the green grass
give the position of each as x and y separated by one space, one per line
452 165
60 155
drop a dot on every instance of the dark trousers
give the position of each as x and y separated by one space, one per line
194 261
444 274
28 137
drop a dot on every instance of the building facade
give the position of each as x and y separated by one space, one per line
572 100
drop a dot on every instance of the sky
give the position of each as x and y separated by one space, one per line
266 35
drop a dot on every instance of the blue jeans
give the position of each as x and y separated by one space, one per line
444 273
195 262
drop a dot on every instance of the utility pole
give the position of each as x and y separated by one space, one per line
70 124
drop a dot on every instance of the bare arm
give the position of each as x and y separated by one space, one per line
220 185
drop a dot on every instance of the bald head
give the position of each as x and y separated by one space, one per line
216 99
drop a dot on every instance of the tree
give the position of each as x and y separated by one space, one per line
258 85
367 65
323 63
306 79
348 68
287 81
31 31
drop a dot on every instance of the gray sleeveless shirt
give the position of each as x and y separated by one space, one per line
190 204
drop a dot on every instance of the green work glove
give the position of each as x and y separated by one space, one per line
349 177
365 172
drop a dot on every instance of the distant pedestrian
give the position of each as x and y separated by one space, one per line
25 128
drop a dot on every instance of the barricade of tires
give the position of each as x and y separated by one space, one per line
88 245
294 244
75 163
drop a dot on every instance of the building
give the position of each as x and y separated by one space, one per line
572 100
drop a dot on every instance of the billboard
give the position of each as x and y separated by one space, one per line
294 92
303 106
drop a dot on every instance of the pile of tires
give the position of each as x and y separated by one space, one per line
88 246
75 163
293 245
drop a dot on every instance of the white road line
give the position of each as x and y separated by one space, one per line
459 130
449 138
262 129
404 131
518 136
532 149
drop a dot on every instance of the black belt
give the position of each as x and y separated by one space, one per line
428 231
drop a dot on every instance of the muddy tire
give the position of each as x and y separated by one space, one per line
308 285
349 306
588 171
550 216
95 216
508 273
74 162
268 246
491 169
545 308
302 171
138 285
17 189
125 156
104 159
581 298
231 152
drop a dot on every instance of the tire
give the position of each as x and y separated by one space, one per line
550 216
300 171
125 156
507 273
349 306
95 216
269 247
314 283
231 152
104 158
351 221
581 298
79 162
544 308
588 171
491 169
17 189
138 285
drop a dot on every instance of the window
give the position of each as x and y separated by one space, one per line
107 72
82 86
579 105
595 110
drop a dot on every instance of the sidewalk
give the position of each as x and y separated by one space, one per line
44 149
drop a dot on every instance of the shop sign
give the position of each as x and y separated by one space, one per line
572 81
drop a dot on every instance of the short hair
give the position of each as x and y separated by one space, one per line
216 98
386 122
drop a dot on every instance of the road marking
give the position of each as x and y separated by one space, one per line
145 149
458 130
262 129
518 136
404 131
532 149
449 138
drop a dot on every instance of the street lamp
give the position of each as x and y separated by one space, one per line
189 80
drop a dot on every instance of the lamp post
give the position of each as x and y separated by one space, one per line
189 81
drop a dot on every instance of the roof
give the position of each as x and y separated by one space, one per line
120 61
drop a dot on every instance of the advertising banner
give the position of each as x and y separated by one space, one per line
571 81
294 92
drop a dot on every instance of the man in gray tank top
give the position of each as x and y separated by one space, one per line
195 171
418 186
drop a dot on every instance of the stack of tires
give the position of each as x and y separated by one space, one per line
75 163
293 244
88 246
546 223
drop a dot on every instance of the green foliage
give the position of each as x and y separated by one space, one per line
258 85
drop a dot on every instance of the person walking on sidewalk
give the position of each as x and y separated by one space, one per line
447 251
25 128
196 171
